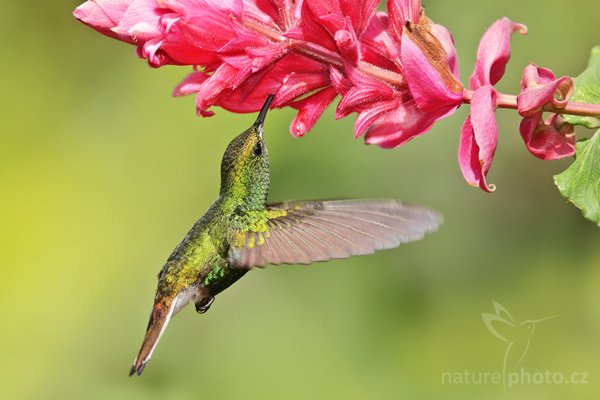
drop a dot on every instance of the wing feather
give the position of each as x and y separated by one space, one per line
311 231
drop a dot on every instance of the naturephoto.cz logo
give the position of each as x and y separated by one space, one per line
517 337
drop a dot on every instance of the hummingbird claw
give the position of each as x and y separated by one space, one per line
203 305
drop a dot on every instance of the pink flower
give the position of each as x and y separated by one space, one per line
397 70
428 60
305 52
552 138
479 134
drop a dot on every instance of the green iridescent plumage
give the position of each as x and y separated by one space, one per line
240 231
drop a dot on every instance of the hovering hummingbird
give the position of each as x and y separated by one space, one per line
240 231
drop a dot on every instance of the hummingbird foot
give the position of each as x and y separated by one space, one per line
204 304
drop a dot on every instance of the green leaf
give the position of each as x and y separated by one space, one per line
580 183
587 90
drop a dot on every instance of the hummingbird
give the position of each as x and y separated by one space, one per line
240 231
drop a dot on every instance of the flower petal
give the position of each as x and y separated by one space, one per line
328 13
103 16
478 138
140 21
360 12
151 51
209 90
468 155
367 116
209 25
540 87
399 126
347 43
310 30
447 42
339 81
332 13
190 84
290 78
378 47
250 95
310 109
268 12
365 90
549 140
494 52
427 72
263 56
401 12
307 76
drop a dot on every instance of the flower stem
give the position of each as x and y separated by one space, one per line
575 108
571 107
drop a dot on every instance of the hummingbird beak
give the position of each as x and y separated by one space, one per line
263 113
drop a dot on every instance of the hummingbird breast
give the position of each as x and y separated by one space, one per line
200 262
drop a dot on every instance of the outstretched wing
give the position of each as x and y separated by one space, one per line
308 231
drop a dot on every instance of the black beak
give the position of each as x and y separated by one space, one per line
263 112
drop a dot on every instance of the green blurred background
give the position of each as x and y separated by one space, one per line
102 173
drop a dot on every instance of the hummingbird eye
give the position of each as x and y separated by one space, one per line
258 149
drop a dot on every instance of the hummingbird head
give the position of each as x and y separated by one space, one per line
245 164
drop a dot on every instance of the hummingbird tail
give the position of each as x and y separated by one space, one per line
162 311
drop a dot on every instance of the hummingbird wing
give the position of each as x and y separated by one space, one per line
308 231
